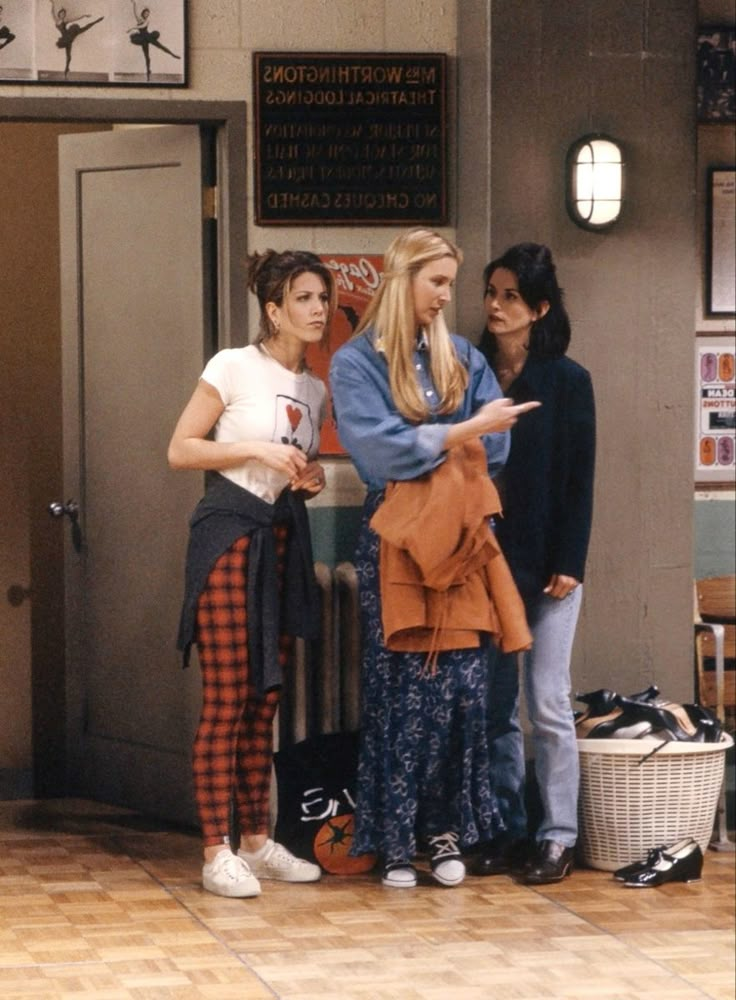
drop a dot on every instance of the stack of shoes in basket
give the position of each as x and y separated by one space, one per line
645 715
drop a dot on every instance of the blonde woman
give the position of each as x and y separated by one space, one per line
405 392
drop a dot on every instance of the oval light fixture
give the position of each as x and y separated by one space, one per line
595 181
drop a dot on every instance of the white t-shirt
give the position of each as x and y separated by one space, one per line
265 402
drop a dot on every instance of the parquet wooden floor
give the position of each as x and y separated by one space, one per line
99 904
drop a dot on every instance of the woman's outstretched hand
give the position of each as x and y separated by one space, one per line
495 417
502 414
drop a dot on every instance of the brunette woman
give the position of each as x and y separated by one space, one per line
250 575
546 490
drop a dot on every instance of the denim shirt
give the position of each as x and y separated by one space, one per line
382 443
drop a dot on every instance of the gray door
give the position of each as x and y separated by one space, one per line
132 278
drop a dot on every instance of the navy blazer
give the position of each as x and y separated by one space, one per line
546 486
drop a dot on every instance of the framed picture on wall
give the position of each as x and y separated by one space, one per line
720 297
716 98
715 411
94 42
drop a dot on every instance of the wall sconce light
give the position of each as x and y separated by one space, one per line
595 181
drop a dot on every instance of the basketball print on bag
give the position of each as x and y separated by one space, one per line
331 846
316 801
294 423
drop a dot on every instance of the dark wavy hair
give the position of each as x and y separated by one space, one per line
270 276
536 275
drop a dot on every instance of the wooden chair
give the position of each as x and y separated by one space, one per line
715 643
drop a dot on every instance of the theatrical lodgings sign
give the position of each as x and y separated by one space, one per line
355 138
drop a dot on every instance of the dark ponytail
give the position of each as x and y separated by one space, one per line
536 275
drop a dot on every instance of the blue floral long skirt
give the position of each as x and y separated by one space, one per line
424 764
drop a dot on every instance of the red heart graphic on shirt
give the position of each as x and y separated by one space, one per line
295 416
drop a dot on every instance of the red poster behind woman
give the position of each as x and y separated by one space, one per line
357 277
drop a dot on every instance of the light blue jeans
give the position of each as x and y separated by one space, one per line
546 671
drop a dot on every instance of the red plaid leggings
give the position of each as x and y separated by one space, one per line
233 746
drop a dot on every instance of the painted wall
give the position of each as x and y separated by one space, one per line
714 513
549 73
626 70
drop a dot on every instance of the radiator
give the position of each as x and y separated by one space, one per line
322 691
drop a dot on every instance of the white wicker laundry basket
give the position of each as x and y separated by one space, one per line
632 800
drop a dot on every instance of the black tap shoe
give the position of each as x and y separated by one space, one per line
551 862
676 864
652 859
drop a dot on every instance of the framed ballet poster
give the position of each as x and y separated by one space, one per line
101 43
715 411
357 277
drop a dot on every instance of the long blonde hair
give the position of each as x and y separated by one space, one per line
391 315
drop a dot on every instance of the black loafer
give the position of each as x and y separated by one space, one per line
500 858
551 862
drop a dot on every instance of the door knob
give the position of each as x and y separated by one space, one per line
71 508
17 593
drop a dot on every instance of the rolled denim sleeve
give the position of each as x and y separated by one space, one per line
382 443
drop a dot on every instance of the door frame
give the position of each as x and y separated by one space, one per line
228 120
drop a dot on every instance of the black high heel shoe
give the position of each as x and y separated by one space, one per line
668 719
622 722
600 703
708 728
606 718
683 862
649 694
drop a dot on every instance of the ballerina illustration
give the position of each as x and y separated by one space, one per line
69 30
140 35
6 35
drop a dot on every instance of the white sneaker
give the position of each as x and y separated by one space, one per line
399 875
276 862
228 875
447 868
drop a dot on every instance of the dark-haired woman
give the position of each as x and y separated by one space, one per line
546 490
250 574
